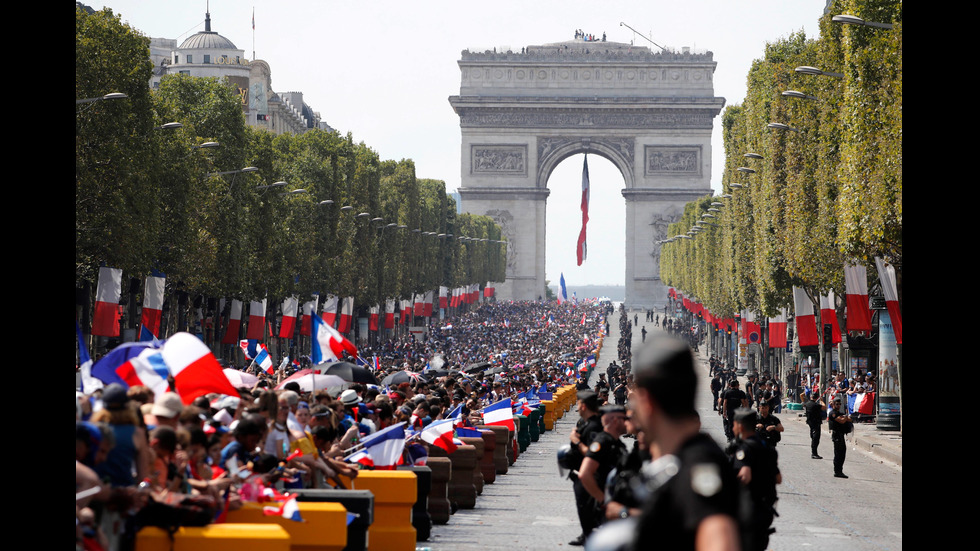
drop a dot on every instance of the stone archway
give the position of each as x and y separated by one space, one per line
650 114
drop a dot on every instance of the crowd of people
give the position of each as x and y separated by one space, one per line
139 454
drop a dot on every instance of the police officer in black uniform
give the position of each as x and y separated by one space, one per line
814 408
690 490
733 399
768 425
755 465
603 455
587 427
838 421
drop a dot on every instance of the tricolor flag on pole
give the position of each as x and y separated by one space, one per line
256 320
389 313
443 297
419 305
777 330
287 509
580 250
373 317
152 306
889 286
427 305
264 360
346 313
499 413
105 320
309 310
488 290
440 434
290 307
806 324
328 343
856 289
250 348
828 316
381 450
753 333
330 309
562 291
234 323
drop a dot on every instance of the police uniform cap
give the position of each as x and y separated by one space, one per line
665 368
589 398
612 408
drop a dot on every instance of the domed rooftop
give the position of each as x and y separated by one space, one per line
207 39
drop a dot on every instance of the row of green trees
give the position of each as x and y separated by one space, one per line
825 192
154 198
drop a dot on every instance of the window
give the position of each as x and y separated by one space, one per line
188 73
207 58
190 58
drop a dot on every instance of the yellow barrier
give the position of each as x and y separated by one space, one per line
395 493
324 529
549 414
215 537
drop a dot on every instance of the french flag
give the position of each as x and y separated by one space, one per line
828 316
105 321
89 383
250 347
152 307
506 323
419 305
290 307
889 286
375 363
443 297
389 314
264 360
861 402
330 309
455 412
583 319
373 318
123 365
256 320
499 413
328 343
406 309
777 330
581 249
195 370
440 434
427 305
309 310
287 509
234 323
806 324
562 292
381 450
346 311
753 333
856 286
465 432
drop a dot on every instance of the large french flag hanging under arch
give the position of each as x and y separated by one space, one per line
580 250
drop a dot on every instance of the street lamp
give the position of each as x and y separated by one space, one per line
277 184
796 94
855 20
240 171
807 70
206 145
753 156
346 208
326 202
113 95
745 170
781 126
168 126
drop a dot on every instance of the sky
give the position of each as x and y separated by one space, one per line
383 70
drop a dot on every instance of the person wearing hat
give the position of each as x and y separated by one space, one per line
587 427
166 411
604 453
693 493
839 422
755 465
733 399
131 454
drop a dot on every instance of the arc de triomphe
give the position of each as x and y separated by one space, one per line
649 113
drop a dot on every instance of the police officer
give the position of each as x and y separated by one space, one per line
587 427
838 421
603 455
814 408
755 465
621 500
691 491
716 386
733 399
768 425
